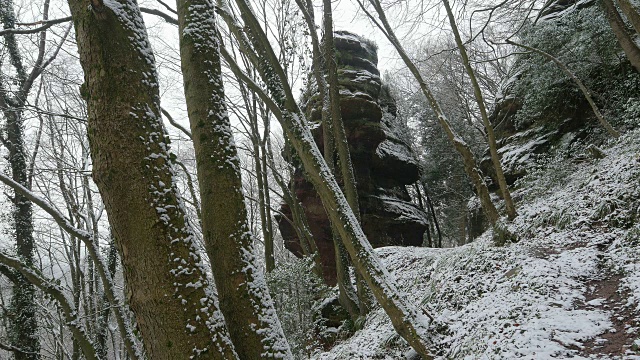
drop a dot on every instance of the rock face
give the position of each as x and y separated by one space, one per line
540 111
383 163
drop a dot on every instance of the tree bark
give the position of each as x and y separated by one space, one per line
631 13
244 298
167 284
629 46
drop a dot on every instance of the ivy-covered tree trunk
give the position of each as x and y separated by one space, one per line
242 290
24 334
168 289
24 331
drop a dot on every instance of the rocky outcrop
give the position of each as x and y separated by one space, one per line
540 111
383 163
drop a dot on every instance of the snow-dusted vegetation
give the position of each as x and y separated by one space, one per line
289 179
571 280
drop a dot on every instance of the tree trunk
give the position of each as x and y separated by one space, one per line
268 244
433 216
244 298
404 316
104 311
468 159
629 46
585 92
346 168
167 284
299 221
477 92
631 13
332 117
24 332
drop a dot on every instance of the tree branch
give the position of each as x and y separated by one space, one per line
174 123
587 94
45 25
53 290
168 18
122 320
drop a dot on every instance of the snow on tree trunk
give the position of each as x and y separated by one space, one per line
406 319
168 289
242 290
477 92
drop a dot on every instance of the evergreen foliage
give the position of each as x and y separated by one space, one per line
584 42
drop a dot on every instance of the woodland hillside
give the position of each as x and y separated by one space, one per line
291 179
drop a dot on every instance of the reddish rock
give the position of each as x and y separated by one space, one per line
383 163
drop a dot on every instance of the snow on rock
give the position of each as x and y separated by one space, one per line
529 299
383 162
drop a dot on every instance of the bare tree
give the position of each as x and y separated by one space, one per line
24 323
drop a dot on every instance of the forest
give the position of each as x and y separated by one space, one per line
299 179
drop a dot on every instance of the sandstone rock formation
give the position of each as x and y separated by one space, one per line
383 163
564 118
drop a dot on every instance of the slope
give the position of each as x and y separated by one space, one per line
570 287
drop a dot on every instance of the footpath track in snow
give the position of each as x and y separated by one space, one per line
569 288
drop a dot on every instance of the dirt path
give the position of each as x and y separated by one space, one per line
605 293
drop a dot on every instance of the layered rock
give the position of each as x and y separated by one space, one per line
383 163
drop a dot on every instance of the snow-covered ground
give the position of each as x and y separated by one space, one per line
570 287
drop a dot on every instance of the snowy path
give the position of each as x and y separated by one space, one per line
570 288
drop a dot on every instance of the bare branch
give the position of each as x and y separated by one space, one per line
174 123
587 94
45 25
53 290
87 239
168 18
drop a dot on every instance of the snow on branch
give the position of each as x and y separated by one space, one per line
53 290
133 349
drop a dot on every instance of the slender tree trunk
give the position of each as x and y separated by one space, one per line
167 284
629 46
260 168
631 13
477 92
332 117
242 290
468 159
433 216
346 168
585 92
104 311
24 321
269 242
299 221
24 332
